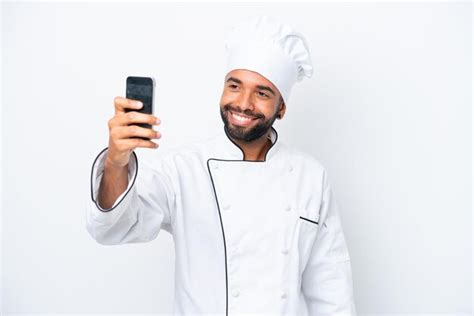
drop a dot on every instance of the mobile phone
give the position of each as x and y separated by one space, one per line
141 89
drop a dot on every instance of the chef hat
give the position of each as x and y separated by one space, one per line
270 48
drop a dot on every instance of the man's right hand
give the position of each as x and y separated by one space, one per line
121 144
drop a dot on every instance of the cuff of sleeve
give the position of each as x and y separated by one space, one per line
123 200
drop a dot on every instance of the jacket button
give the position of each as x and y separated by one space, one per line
283 295
288 208
227 206
235 293
284 251
290 169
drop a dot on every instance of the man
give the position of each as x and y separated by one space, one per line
255 225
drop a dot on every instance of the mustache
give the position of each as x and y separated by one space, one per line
229 107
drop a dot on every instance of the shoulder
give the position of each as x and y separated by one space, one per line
188 152
302 159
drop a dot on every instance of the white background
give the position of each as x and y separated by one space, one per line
387 112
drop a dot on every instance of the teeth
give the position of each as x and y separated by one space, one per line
241 118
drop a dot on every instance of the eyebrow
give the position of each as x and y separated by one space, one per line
260 87
266 88
233 79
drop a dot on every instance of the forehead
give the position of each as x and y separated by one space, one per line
250 78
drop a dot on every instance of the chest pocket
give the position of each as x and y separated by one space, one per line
307 227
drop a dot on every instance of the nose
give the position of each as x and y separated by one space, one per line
245 100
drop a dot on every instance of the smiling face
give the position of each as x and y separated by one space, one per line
249 105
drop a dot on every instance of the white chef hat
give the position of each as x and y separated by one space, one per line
270 48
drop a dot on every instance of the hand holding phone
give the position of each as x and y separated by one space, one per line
131 125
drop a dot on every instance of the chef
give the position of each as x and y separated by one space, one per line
255 224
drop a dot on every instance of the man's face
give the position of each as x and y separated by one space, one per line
249 105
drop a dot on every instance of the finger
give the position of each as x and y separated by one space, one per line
124 132
133 143
134 117
121 104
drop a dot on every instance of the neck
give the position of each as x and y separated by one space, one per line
257 149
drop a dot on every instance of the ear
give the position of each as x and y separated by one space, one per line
282 110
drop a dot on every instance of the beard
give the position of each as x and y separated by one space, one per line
257 129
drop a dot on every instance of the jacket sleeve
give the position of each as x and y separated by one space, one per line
138 214
327 278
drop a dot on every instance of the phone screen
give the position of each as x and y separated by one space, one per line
141 88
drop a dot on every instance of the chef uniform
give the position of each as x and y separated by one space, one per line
251 237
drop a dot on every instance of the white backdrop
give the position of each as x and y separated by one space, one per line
387 112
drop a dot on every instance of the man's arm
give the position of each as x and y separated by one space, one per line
140 211
114 182
327 279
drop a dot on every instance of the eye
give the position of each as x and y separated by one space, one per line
233 86
263 94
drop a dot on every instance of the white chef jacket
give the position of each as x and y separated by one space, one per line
251 237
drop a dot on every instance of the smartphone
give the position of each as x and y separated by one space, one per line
141 89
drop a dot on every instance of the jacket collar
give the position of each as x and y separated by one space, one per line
227 149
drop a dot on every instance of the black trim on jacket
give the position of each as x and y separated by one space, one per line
219 210
92 181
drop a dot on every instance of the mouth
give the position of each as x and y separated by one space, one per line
240 119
